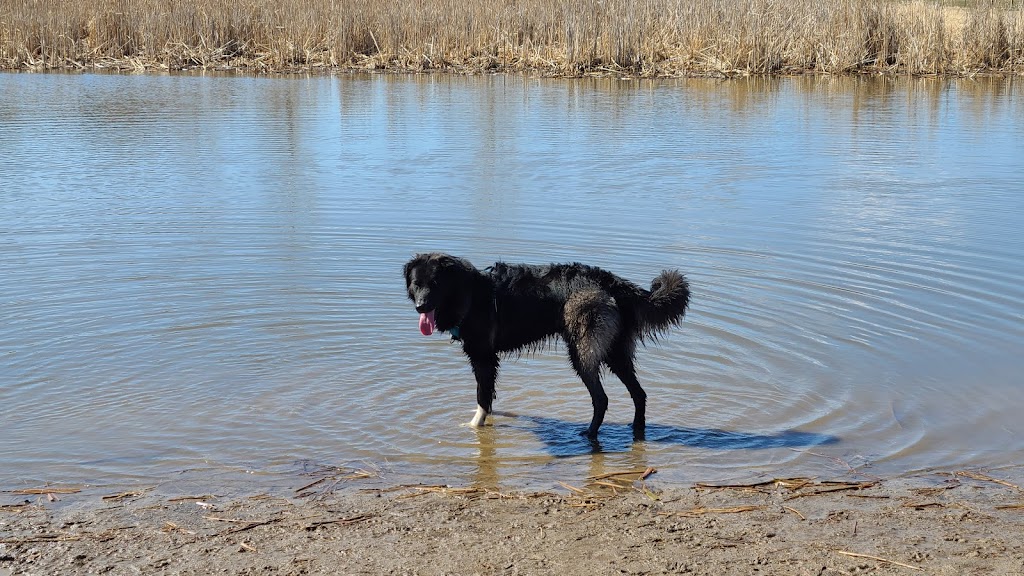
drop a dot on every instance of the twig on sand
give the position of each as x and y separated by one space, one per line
422 490
252 525
950 484
219 519
187 498
249 524
828 487
986 478
341 521
615 487
700 511
792 484
623 480
572 488
311 484
642 473
41 538
876 558
124 495
920 505
47 490
794 511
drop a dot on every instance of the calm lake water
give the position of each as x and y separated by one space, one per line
200 277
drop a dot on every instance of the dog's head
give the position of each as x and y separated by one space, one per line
439 287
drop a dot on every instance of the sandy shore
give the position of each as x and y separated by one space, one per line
949 524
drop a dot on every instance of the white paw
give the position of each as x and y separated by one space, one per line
478 419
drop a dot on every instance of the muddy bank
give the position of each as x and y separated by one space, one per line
955 524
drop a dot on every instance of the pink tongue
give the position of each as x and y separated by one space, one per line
427 323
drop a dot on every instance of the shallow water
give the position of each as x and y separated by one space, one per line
204 273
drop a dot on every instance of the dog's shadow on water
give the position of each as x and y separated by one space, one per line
562 439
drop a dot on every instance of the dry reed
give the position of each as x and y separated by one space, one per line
557 37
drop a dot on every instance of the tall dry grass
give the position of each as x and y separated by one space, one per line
572 37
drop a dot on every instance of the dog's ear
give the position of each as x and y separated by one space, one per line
407 268
452 264
444 262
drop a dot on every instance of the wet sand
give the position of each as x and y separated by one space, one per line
954 523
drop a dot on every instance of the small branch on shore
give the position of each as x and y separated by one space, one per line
191 498
339 521
701 511
986 478
45 490
878 559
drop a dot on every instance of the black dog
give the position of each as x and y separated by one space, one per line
509 307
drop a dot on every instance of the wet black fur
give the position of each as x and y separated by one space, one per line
508 308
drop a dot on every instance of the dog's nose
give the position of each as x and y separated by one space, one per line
421 307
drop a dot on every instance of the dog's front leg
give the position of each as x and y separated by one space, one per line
485 369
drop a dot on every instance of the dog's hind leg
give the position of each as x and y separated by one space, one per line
485 369
591 324
620 362
591 375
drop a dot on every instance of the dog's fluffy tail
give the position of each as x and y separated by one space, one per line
666 305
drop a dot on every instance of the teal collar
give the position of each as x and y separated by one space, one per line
455 333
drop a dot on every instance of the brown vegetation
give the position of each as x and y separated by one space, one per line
561 37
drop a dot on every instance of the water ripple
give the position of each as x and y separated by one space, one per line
205 272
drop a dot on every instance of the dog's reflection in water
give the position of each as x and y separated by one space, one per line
616 445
